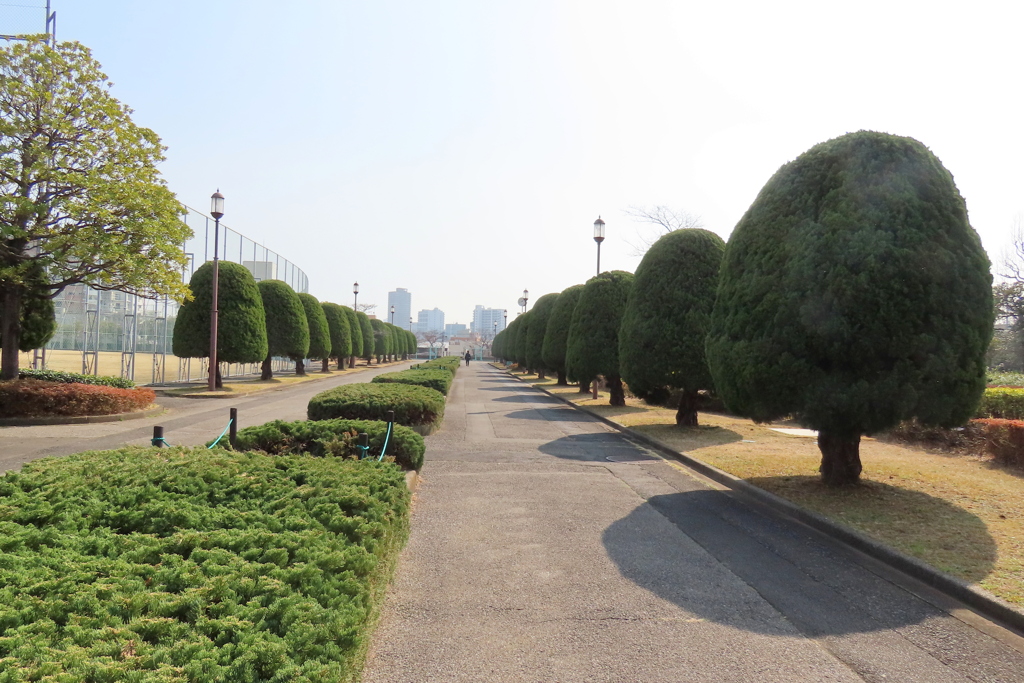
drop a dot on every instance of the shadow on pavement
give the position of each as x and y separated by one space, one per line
592 447
818 588
516 386
550 415
527 398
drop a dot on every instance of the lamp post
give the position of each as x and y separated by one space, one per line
392 315
216 210
599 237
505 315
526 299
355 293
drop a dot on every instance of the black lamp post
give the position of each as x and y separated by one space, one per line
216 210
355 293
526 299
599 237
505 315
392 315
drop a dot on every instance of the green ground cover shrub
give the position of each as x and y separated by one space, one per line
1005 379
413 405
449 363
194 565
438 379
336 438
36 398
75 378
1003 403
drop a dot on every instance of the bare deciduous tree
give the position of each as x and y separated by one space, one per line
368 309
667 218
1013 256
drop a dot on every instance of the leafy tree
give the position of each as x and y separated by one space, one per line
497 346
287 329
540 314
80 195
366 329
411 342
557 333
341 333
522 337
512 332
593 345
357 336
241 323
319 331
38 323
381 339
854 294
661 342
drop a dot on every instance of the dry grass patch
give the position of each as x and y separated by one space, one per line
960 513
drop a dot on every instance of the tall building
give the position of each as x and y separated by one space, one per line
401 299
456 330
429 321
484 319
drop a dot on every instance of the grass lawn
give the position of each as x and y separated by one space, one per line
960 513
249 386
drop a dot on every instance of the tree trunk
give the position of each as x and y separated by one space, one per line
686 416
300 368
10 330
341 362
218 382
584 387
268 372
326 365
540 374
351 361
562 380
840 459
616 394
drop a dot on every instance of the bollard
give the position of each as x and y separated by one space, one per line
158 437
364 444
391 416
233 430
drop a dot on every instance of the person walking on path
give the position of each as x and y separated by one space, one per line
468 356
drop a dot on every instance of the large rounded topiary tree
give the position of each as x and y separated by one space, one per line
557 333
854 294
592 348
319 332
511 340
661 342
381 339
357 336
341 333
242 326
367 331
522 337
287 329
539 316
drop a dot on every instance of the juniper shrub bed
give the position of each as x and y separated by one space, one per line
413 405
37 398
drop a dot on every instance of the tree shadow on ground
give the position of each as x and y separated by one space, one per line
736 566
688 438
506 387
557 414
594 447
527 398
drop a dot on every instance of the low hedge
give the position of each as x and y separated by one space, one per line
437 379
1003 403
75 378
36 398
449 363
184 565
413 405
336 438
1004 439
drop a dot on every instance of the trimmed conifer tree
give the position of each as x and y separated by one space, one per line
319 332
357 336
287 329
368 336
381 341
512 332
521 340
667 316
593 345
341 333
557 333
540 314
854 294
242 325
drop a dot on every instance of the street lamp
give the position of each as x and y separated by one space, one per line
526 299
599 237
216 210
355 292
505 315
392 315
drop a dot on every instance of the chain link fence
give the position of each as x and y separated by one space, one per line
20 19
128 334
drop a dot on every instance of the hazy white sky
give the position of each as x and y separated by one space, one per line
462 149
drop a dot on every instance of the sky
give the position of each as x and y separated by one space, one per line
463 149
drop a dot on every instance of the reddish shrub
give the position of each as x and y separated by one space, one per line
1005 440
35 398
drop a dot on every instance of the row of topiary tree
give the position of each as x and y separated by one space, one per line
852 295
259 321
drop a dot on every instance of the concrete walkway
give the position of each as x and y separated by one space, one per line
546 547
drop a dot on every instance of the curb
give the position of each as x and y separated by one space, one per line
987 604
78 419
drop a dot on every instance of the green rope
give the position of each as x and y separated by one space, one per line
221 435
387 437
157 440
362 451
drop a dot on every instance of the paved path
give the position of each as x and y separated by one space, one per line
186 421
546 547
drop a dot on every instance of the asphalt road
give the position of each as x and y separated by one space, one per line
546 547
186 421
